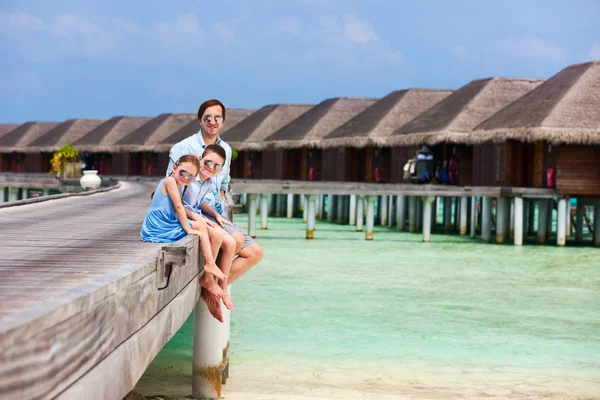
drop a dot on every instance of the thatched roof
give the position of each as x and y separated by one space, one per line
24 134
563 110
108 133
454 118
234 116
6 128
309 128
150 134
382 118
65 133
263 123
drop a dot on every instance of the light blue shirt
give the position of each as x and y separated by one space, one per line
195 145
196 194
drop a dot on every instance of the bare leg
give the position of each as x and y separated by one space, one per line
224 261
210 267
247 258
214 305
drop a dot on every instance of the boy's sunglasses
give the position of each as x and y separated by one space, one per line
211 163
217 118
185 175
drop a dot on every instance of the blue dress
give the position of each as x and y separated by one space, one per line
161 223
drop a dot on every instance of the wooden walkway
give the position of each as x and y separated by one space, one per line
81 313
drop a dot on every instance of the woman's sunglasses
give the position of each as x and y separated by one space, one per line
211 164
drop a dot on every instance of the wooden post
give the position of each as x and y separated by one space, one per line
207 354
352 218
473 217
464 208
401 212
412 214
561 222
360 213
390 211
340 209
597 224
486 218
290 205
518 230
320 201
578 220
252 199
427 201
330 207
542 220
383 213
264 210
501 228
310 223
370 217
447 214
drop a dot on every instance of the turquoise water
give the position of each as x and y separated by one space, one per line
398 302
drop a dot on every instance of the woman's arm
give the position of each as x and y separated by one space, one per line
174 195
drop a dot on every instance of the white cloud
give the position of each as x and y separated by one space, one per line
359 31
183 31
594 53
12 23
529 47
459 51
289 25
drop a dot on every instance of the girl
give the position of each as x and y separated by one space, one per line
166 219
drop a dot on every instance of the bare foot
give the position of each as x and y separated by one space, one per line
208 282
227 300
214 271
214 305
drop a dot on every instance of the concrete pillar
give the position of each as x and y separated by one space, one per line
518 229
401 212
384 210
549 217
360 213
501 227
290 205
542 220
330 207
46 192
340 209
578 220
525 218
3 195
597 224
264 210
278 205
252 200
427 214
510 218
13 194
370 217
419 213
473 217
320 201
464 208
243 198
311 206
486 218
568 229
352 217
561 222
531 217
346 209
412 214
207 355
447 214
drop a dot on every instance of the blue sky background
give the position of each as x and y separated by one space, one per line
98 59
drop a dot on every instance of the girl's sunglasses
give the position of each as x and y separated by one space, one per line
211 164
186 175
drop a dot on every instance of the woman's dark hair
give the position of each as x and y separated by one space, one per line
210 103
218 150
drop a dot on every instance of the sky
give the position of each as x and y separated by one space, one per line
100 59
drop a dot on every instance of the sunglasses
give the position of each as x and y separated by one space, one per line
211 164
186 175
217 118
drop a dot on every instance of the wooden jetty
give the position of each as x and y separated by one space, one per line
85 305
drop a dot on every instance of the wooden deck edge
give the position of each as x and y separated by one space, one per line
59 196
118 373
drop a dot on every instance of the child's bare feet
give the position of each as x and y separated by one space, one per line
214 271
227 300
213 303
208 282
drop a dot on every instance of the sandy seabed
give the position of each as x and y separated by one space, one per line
270 382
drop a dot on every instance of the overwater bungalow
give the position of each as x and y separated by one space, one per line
136 151
292 151
458 114
248 135
351 147
14 142
4 129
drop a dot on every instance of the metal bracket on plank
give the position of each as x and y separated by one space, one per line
167 258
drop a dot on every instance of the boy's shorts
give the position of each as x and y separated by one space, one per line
234 228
